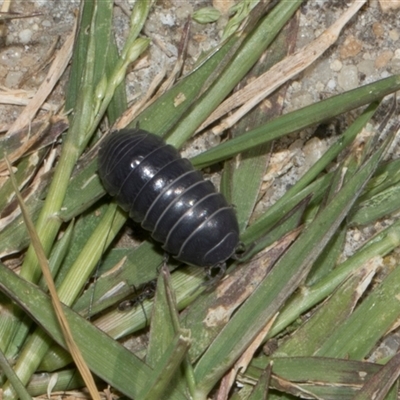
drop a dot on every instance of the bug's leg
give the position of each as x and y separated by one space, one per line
215 273
239 251
128 304
164 262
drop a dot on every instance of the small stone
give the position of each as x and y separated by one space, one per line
351 47
301 99
387 5
336 65
313 150
25 36
331 85
223 6
367 67
13 78
383 58
378 30
167 19
394 35
348 77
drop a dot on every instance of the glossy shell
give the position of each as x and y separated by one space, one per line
168 197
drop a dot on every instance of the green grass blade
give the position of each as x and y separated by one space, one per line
13 378
260 391
159 381
329 258
300 119
65 380
248 169
80 54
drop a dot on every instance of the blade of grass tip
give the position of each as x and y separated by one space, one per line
253 46
133 48
379 385
260 391
164 328
75 352
164 323
173 306
159 381
300 119
13 378
285 277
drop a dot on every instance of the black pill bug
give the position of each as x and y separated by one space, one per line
168 197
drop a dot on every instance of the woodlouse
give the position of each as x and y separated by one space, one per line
165 194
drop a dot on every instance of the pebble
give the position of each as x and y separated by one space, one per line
367 67
378 30
383 58
348 77
13 78
25 36
351 47
394 35
336 65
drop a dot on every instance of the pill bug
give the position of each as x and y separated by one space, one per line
168 197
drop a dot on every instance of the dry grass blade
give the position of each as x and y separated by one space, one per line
280 73
21 97
25 146
75 352
56 70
